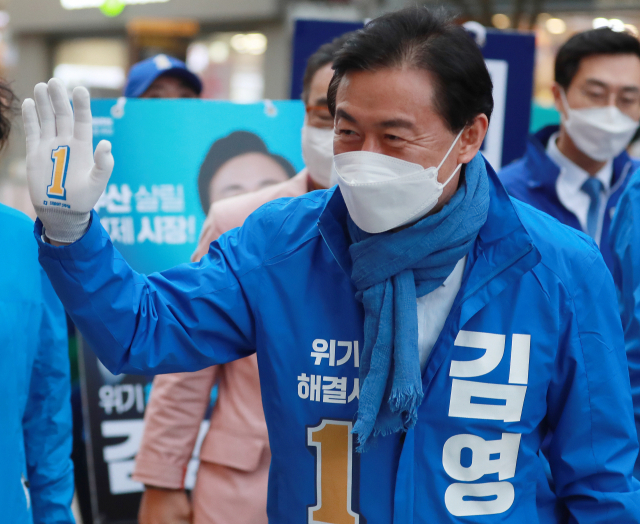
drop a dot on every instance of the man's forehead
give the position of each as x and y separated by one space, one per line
319 84
169 78
394 98
389 86
612 71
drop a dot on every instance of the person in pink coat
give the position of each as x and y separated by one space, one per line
231 484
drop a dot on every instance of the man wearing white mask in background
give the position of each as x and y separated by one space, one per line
231 486
317 153
577 172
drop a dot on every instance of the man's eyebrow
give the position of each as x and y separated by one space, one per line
322 101
341 113
397 122
599 83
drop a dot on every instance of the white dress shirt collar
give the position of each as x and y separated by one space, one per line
570 180
434 308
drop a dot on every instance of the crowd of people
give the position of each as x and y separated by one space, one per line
398 333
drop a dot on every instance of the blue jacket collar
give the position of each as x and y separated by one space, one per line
333 228
502 241
544 172
503 252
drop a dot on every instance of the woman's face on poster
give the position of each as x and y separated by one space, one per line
244 174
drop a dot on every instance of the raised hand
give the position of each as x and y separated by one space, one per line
65 176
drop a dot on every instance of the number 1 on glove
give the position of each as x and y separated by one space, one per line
60 157
63 187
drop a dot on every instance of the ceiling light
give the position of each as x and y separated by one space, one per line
219 52
88 4
600 22
197 57
616 25
252 43
501 21
556 26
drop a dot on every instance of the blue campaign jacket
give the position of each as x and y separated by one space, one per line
36 472
532 179
625 247
533 346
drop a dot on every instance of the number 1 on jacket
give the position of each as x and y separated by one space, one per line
334 472
60 157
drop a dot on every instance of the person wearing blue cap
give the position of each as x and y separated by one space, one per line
162 76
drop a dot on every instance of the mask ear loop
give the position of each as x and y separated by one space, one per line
565 103
452 175
451 148
447 155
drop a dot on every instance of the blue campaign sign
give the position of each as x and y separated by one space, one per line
308 36
153 207
510 60
172 157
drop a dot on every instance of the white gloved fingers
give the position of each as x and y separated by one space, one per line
45 111
103 163
31 126
66 177
61 108
82 122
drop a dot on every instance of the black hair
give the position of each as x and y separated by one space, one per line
601 41
8 101
224 149
323 56
429 40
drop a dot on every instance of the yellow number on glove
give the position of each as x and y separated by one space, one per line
334 473
60 157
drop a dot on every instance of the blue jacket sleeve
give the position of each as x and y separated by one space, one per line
594 444
47 418
184 319
625 248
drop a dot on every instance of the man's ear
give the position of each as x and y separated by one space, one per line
471 139
556 89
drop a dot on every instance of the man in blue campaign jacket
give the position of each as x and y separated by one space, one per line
36 472
625 248
577 172
418 332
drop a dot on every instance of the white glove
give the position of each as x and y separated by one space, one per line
65 178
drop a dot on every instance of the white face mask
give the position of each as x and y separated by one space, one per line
600 133
317 152
382 192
